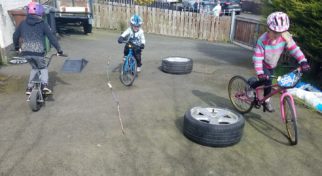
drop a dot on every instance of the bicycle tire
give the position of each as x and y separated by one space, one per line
34 104
290 120
237 87
128 72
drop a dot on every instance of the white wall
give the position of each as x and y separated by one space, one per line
6 25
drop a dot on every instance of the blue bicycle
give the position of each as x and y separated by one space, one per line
128 70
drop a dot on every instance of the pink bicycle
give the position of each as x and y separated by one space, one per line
244 98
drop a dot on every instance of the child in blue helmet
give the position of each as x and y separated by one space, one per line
32 33
136 35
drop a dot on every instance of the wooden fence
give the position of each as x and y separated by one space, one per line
247 31
164 21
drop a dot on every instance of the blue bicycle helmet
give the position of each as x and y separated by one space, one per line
136 21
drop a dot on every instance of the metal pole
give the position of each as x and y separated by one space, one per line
232 26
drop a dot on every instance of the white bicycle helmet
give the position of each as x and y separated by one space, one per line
278 22
136 21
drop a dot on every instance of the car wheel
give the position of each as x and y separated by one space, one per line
87 28
177 65
215 127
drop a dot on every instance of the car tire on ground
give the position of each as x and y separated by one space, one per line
214 127
87 28
177 65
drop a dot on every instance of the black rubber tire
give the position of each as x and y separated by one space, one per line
34 104
290 120
123 76
174 66
232 92
87 28
213 134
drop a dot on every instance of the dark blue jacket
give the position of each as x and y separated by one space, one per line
31 33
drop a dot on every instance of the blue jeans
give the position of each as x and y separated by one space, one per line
37 63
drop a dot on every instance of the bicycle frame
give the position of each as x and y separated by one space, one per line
275 89
37 83
128 70
245 95
129 59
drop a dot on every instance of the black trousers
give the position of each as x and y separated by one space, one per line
268 82
137 52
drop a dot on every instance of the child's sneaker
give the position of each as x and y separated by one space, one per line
268 107
138 69
46 89
28 90
250 93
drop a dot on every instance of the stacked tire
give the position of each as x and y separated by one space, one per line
214 127
177 65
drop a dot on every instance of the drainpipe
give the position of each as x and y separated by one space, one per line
232 26
3 53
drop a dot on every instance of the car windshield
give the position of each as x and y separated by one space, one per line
223 1
208 1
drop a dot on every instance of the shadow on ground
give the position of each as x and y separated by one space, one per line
263 126
212 99
237 55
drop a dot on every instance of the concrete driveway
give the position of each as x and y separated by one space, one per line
78 132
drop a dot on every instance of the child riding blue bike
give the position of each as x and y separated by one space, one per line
135 35
32 33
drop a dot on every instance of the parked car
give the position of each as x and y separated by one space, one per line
74 12
198 5
189 5
227 6
207 6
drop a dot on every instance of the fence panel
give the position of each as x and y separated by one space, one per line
163 21
247 31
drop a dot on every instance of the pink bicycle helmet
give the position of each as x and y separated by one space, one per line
278 22
35 9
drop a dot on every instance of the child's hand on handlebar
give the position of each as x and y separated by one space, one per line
120 39
262 77
60 52
305 67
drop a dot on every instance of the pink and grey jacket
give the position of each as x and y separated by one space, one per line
267 53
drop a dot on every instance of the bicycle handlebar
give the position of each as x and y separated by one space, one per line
298 69
55 54
130 42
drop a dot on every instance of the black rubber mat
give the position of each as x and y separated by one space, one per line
74 65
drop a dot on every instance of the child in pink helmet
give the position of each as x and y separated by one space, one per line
269 48
32 33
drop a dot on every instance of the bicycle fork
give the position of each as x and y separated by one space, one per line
282 109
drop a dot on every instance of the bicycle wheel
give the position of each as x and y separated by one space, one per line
35 100
238 94
290 120
128 72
